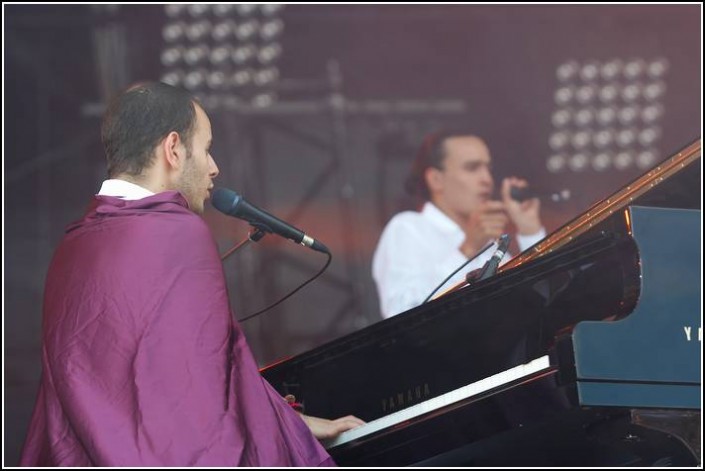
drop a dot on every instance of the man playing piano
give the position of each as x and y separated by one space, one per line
417 250
142 362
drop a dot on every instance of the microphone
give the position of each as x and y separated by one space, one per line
485 249
523 194
492 264
228 202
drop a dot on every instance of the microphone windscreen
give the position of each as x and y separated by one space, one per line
520 194
224 200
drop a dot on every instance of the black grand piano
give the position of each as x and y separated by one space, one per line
583 351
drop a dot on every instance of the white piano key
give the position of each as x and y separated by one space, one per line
451 397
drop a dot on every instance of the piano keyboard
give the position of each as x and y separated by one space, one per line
447 399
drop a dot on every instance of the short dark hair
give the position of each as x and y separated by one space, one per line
140 117
431 154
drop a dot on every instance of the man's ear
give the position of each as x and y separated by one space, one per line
174 150
434 179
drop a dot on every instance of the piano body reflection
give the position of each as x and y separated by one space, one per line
583 351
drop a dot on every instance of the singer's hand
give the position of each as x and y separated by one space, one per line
324 428
487 222
524 214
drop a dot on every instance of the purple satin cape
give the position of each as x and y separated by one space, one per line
142 362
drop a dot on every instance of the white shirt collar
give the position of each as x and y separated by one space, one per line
439 218
123 189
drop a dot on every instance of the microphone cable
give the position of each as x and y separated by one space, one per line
291 293
457 270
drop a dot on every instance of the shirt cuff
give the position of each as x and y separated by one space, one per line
526 241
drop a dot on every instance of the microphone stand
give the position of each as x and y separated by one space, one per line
254 236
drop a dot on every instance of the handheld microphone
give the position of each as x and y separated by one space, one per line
228 202
523 194
492 264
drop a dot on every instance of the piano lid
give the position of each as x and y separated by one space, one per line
614 203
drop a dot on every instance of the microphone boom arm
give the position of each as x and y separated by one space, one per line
255 235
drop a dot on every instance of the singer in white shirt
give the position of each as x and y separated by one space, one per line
417 250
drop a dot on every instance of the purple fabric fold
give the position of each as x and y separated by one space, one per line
142 362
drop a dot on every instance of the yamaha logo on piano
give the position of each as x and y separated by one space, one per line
406 398
689 333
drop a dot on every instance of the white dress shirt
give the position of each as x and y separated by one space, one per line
123 189
417 250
